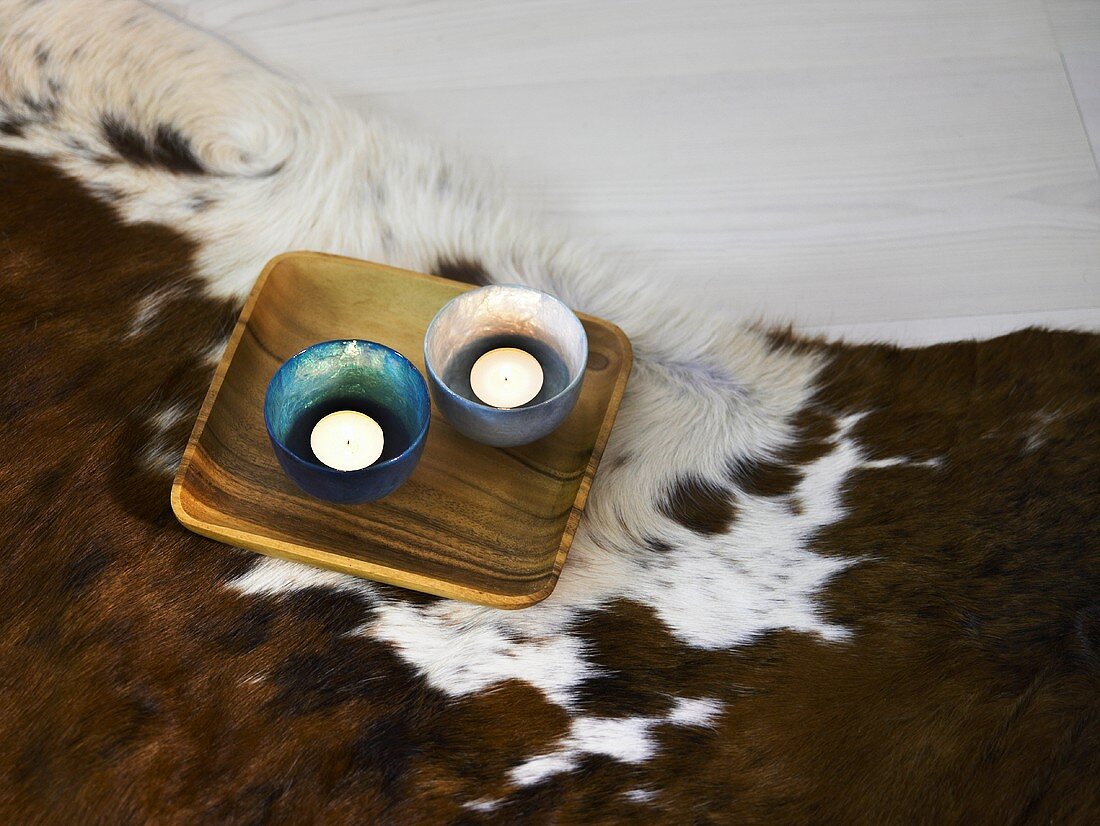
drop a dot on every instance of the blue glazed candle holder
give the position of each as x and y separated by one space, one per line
505 316
350 374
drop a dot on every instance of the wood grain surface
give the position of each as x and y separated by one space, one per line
473 522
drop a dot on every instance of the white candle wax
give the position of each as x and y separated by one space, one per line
506 377
347 440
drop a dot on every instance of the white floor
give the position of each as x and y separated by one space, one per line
908 169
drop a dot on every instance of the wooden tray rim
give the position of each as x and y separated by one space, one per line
296 552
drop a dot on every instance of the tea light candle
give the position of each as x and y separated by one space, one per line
347 440
506 377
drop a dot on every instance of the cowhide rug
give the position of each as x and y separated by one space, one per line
815 583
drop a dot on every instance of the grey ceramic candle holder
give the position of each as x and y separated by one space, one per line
505 315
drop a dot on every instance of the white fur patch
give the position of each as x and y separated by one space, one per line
170 416
485 804
627 739
148 310
688 711
274 576
539 768
161 459
895 461
464 650
1036 434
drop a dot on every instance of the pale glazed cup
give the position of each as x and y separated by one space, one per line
505 315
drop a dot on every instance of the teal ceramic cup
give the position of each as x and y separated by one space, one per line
349 374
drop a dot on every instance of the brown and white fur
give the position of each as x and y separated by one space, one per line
814 582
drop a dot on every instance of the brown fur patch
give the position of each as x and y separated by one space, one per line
469 272
699 506
165 148
965 678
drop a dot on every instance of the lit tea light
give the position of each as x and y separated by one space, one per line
347 440
506 377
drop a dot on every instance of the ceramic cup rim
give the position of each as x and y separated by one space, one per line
377 466
477 402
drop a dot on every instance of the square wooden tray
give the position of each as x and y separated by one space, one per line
477 523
